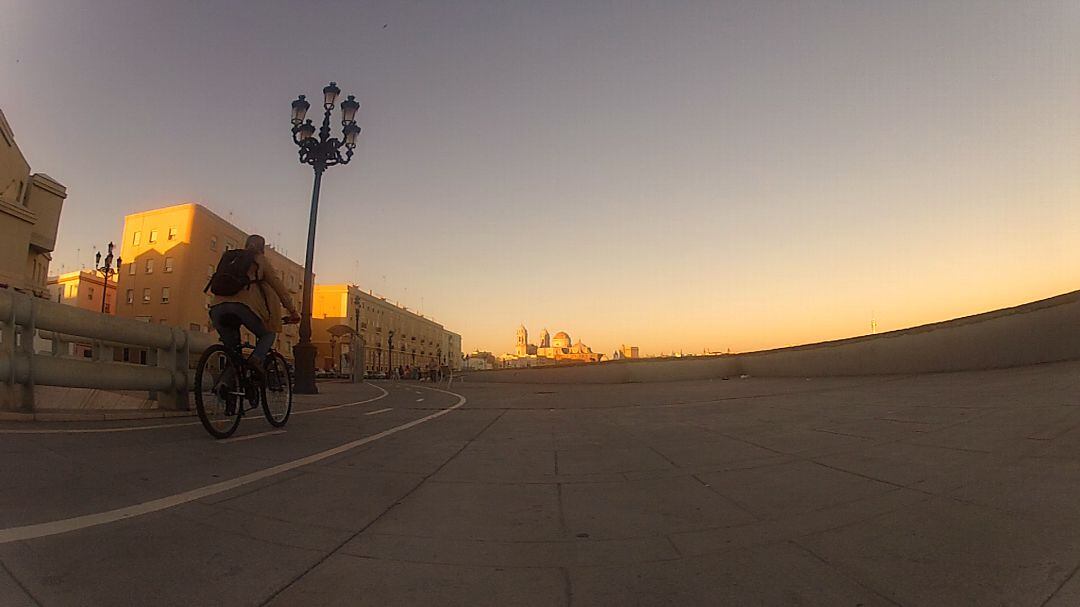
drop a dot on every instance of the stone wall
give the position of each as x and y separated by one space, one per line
1043 331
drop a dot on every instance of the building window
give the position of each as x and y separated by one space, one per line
131 269
136 240
131 296
164 294
150 266
146 295
172 233
90 293
196 327
168 264
213 243
153 236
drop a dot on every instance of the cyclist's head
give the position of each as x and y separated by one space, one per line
255 243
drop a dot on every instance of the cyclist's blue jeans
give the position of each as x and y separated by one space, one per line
229 316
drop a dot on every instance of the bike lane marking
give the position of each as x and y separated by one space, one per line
249 437
178 425
29 532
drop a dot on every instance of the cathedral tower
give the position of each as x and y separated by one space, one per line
521 348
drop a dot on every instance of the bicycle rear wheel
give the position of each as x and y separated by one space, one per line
216 399
277 393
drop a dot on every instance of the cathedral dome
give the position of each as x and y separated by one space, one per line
561 340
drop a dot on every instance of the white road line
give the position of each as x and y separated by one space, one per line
98 430
249 437
419 400
179 425
379 411
29 532
359 402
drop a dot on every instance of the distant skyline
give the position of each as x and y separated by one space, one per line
676 176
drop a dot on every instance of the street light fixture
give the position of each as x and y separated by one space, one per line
319 152
106 270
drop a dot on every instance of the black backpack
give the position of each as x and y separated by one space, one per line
231 275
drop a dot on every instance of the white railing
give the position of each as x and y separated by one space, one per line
25 320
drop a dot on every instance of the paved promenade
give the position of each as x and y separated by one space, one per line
957 489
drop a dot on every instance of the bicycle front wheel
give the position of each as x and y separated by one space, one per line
277 393
218 400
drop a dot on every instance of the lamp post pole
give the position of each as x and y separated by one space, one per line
106 271
390 350
319 152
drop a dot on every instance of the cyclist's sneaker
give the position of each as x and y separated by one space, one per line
226 383
273 381
257 370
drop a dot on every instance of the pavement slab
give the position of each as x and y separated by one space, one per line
944 552
12 593
646 508
162 559
777 574
791 488
493 511
578 551
349 581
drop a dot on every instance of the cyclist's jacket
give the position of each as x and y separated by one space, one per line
265 295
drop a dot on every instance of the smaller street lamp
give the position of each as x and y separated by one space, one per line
106 270
390 351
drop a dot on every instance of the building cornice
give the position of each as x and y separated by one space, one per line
49 184
18 211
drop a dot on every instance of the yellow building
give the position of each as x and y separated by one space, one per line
30 207
169 255
346 320
84 289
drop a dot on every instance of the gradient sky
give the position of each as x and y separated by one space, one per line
674 175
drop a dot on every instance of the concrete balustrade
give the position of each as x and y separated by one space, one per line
22 318
1039 332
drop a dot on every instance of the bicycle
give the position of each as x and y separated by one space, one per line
224 380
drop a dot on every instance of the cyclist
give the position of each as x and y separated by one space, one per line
248 292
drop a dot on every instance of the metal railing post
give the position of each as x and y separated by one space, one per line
175 360
26 347
10 399
152 355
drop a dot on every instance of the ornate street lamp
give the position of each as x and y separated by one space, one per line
106 270
390 351
320 152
